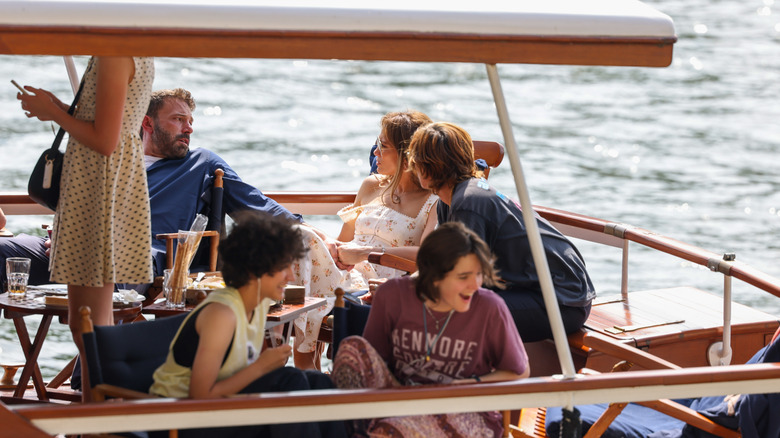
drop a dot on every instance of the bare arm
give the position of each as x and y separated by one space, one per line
354 254
2 219
332 245
366 193
215 326
102 134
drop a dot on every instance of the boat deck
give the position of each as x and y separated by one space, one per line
676 324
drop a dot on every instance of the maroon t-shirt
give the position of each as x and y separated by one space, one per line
473 343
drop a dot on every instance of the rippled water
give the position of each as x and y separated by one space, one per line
688 151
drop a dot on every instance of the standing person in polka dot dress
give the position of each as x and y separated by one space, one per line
101 227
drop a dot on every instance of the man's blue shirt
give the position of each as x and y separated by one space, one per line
179 189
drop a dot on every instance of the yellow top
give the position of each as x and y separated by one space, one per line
173 380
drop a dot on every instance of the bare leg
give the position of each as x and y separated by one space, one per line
306 361
310 360
100 302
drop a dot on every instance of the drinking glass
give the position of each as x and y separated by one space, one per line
17 270
174 296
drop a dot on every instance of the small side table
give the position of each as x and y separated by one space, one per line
278 316
17 308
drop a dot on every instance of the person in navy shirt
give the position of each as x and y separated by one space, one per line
442 155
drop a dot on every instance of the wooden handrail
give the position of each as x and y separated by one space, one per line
290 44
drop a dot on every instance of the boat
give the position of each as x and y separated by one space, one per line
601 32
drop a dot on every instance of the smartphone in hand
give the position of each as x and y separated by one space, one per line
19 87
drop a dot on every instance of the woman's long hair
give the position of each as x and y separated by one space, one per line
399 128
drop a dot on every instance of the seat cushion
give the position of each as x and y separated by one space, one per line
635 421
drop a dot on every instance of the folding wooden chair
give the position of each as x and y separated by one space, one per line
213 229
121 359
532 421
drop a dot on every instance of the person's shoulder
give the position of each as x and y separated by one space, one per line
369 189
217 312
204 153
475 187
210 157
396 287
373 181
488 298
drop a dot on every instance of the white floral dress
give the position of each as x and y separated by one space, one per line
375 225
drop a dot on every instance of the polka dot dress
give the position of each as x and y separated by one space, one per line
101 229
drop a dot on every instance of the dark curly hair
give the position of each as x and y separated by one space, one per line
258 244
440 252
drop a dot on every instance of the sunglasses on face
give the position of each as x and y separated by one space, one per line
381 147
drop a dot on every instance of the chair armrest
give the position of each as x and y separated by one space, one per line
166 236
169 238
392 261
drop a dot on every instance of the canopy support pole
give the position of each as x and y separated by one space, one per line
72 73
535 239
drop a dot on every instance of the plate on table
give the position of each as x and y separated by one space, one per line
50 289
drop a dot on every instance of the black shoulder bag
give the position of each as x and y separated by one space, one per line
44 184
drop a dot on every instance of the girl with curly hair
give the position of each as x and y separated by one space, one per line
218 350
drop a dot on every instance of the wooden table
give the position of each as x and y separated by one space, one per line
276 316
17 308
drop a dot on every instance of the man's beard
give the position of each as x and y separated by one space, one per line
167 144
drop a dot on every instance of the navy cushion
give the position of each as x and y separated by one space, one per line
127 355
758 412
634 421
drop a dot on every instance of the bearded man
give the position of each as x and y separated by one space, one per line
179 181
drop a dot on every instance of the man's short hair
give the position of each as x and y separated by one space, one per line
159 96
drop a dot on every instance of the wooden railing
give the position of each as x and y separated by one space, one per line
572 224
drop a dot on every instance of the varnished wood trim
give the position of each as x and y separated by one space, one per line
638 235
623 351
392 261
376 46
16 425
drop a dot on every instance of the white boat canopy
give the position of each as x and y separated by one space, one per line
599 32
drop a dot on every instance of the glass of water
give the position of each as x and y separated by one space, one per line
17 270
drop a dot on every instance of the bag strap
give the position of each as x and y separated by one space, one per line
61 132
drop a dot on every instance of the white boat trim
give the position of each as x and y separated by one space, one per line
350 404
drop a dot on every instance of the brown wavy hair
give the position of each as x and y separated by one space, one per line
399 128
442 152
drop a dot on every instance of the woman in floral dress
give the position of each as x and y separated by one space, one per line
391 214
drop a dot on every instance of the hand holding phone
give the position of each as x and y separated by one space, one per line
19 87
